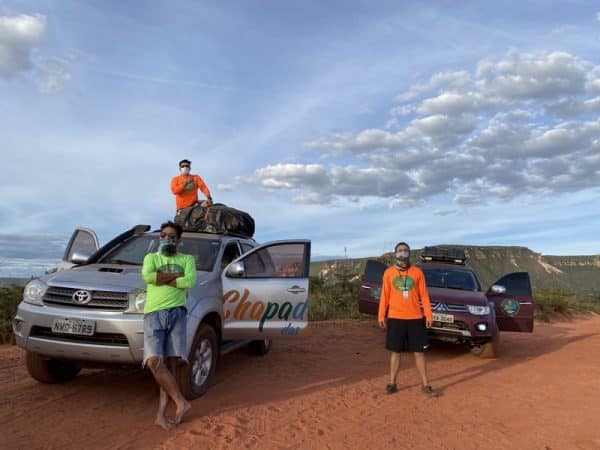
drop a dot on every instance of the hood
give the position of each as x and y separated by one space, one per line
457 296
100 276
105 277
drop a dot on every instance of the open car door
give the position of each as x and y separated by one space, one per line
370 288
265 291
513 302
82 245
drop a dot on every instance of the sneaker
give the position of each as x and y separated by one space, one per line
429 391
391 388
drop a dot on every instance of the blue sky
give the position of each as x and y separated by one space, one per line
354 124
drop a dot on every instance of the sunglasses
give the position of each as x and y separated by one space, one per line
169 235
184 165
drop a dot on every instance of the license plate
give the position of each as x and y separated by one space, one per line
444 318
74 326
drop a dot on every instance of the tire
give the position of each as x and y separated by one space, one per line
50 371
196 376
260 348
490 348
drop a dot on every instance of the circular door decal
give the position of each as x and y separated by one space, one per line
510 306
376 293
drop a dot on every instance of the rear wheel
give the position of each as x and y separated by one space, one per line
48 370
490 348
195 377
261 347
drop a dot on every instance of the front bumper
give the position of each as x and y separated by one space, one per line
118 338
465 328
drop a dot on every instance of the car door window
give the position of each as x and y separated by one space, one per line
82 241
246 247
277 261
516 284
230 253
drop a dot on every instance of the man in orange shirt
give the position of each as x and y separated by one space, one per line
185 186
403 303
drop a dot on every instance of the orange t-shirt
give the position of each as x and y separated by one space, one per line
404 294
187 197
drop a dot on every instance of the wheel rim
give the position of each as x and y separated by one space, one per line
201 363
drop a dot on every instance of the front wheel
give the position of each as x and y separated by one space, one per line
195 377
48 370
490 348
261 347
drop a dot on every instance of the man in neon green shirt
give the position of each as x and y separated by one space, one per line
167 274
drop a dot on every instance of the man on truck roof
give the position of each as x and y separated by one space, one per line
185 186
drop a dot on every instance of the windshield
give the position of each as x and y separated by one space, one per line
451 278
204 251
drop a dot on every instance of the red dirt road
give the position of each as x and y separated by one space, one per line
326 390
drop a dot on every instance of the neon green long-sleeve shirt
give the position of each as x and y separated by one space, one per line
165 296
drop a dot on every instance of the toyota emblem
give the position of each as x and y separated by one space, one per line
82 297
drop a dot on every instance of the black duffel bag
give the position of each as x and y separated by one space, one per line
191 218
224 219
216 218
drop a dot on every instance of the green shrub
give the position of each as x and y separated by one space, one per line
10 296
339 301
551 301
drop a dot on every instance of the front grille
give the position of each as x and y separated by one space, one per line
105 300
443 307
96 338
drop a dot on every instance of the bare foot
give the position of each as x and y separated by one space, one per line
181 410
162 422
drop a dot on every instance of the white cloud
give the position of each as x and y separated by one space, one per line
520 77
19 35
506 131
363 141
290 176
53 75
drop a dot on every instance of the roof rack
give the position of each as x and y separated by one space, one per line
444 254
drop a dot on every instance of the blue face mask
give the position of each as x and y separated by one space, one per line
167 247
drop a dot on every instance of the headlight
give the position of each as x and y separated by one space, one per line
139 299
479 310
34 292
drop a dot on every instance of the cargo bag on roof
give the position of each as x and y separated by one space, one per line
224 219
191 218
217 218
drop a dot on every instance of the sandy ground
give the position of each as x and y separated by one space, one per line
326 390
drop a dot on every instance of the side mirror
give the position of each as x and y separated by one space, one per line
236 270
497 289
80 257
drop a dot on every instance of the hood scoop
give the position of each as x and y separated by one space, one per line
110 269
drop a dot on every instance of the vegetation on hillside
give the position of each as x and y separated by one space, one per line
10 296
550 302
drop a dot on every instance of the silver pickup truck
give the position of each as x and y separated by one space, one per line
89 312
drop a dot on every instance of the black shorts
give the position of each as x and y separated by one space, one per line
406 335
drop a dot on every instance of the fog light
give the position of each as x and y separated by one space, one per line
17 325
481 326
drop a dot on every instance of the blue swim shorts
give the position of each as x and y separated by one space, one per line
165 333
